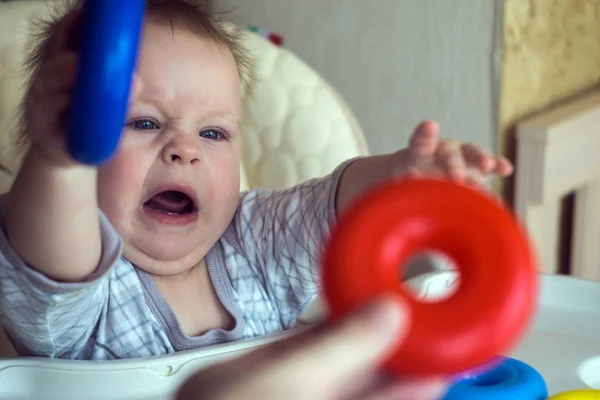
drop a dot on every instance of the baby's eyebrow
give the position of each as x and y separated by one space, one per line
153 97
233 118
156 98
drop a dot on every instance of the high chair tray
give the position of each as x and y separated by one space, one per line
563 344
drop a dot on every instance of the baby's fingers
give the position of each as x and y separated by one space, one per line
57 75
450 159
424 140
55 111
503 167
484 162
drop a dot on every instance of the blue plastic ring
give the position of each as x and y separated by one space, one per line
110 35
509 380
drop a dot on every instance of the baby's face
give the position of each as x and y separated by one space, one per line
173 186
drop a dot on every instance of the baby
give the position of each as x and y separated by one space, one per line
156 251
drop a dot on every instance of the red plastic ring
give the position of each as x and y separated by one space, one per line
497 291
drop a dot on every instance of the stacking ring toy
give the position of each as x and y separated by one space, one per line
510 380
497 291
108 52
589 394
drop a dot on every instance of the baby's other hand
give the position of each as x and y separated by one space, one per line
427 155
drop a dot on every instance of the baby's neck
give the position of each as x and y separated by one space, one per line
182 278
194 300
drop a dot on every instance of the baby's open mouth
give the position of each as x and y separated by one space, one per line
171 202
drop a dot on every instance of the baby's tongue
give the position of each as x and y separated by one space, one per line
171 201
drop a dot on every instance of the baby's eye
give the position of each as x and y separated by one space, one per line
212 134
144 125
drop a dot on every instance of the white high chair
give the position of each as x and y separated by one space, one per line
295 127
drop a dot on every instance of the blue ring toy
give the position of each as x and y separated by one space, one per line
509 380
110 35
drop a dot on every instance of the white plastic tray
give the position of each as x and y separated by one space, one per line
563 344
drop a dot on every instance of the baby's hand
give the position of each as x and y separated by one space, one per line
49 96
48 99
428 155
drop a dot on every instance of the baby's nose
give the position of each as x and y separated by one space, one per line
182 150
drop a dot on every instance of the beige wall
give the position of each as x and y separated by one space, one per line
396 61
551 52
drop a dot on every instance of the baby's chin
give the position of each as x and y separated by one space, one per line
165 259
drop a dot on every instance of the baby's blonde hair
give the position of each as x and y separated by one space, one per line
198 16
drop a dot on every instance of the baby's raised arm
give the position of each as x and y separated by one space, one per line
51 213
51 218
